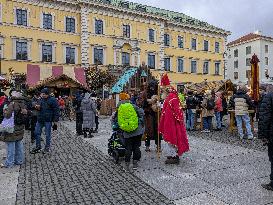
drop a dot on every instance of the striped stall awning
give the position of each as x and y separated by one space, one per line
37 73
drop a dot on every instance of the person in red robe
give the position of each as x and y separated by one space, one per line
172 125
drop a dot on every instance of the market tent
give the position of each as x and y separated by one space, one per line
61 81
37 73
222 85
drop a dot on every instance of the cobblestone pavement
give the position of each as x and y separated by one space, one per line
75 172
8 181
216 170
232 138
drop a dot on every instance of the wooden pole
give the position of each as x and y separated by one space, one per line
158 119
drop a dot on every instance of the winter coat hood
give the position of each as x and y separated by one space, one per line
241 92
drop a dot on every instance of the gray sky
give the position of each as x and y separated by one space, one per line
238 16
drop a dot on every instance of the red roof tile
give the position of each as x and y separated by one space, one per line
248 37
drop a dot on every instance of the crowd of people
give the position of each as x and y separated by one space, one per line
164 119
203 108
40 111
150 116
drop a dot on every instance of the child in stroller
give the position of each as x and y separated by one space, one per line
116 146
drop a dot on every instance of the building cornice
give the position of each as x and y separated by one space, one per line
154 15
67 5
244 42
185 22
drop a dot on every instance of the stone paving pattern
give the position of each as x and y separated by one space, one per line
8 181
219 169
75 172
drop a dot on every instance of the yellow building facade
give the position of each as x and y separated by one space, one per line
74 33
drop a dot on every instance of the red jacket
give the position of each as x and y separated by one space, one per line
218 104
61 102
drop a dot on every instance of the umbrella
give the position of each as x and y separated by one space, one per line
2 78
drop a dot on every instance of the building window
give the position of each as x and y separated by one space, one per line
21 16
193 44
98 26
125 58
248 61
266 48
1 50
248 50
248 74
166 39
206 45
236 63
180 65
47 21
70 55
151 35
236 53
70 24
206 68
236 76
266 60
151 61
126 31
98 56
193 66
46 53
217 47
217 68
167 64
180 40
21 50
266 73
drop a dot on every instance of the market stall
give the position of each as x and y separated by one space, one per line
60 85
61 80
4 84
222 85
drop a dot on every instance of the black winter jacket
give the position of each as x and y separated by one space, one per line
191 102
49 110
266 118
240 94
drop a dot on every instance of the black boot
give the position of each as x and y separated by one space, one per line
36 150
85 133
90 135
173 160
268 186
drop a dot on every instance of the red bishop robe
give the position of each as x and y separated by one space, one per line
172 125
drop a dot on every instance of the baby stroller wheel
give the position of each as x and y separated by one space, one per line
115 155
110 152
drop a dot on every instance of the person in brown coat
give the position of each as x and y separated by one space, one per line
208 105
16 109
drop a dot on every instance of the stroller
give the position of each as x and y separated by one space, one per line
116 147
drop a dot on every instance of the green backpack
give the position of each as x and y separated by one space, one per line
127 117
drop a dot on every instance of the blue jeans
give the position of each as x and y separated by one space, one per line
246 119
218 120
207 121
15 153
38 132
190 119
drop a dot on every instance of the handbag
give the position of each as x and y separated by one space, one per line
7 125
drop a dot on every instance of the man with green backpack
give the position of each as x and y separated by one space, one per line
130 120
